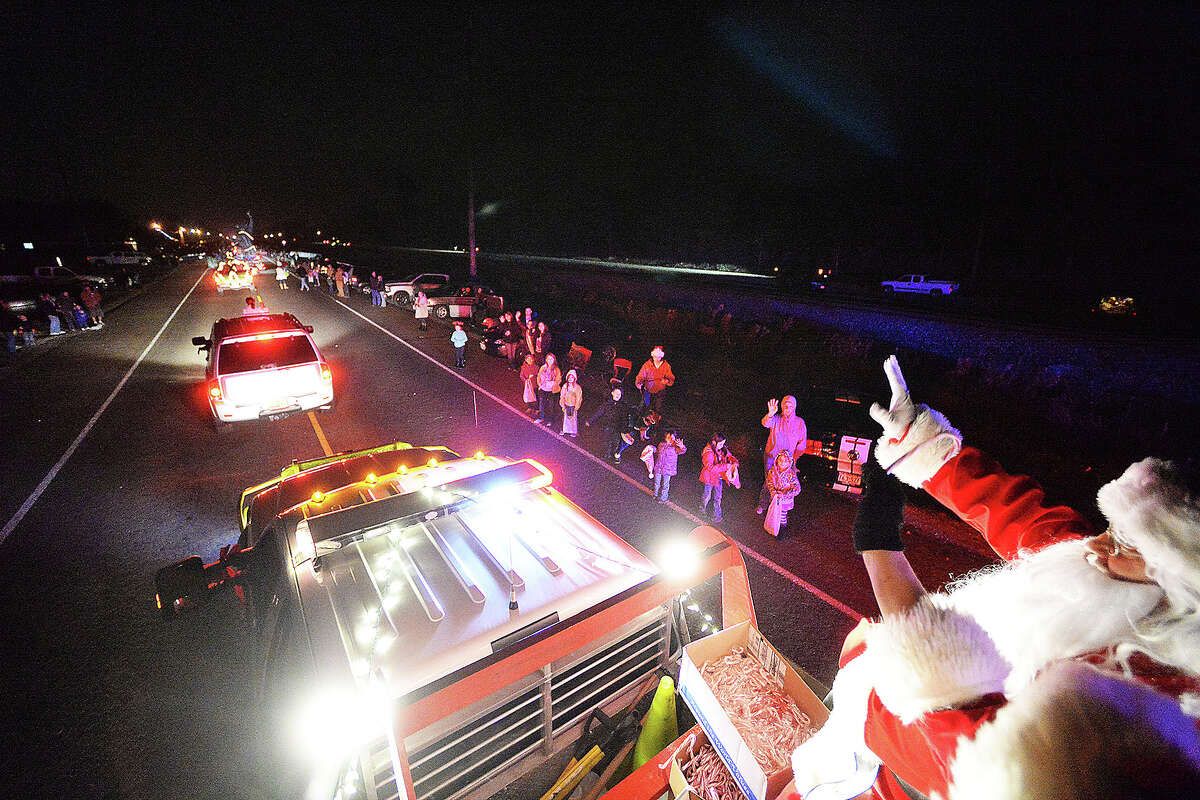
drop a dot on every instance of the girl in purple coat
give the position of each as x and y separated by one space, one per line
666 463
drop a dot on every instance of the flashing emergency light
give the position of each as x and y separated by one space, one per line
371 477
433 462
318 497
479 455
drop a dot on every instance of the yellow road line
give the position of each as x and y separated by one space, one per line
312 417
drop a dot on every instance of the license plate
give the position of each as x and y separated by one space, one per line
849 479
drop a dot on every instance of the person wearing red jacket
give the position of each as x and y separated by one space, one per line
940 666
91 301
716 465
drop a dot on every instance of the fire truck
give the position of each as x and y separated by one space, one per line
431 626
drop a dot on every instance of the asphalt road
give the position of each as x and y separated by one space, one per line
113 469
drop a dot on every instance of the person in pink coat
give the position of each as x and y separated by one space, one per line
716 463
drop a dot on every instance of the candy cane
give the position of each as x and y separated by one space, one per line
769 721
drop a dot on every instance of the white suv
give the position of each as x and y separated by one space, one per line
265 365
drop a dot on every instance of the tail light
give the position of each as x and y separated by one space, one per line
214 390
326 373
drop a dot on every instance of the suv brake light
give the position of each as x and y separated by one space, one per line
326 373
214 390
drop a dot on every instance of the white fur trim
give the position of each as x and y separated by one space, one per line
1160 519
985 767
837 754
1004 759
932 657
931 441
1189 703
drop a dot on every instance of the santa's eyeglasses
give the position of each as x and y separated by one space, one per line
1117 546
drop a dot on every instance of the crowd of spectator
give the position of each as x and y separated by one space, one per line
52 316
1064 433
1043 417
633 413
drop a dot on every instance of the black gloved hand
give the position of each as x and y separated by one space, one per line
881 512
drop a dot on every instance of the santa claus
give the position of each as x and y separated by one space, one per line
939 668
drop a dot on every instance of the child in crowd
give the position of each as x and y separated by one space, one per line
718 465
783 486
666 463
421 311
528 375
549 384
459 340
570 399
619 420
81 318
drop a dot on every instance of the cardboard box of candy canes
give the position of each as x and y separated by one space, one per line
739 688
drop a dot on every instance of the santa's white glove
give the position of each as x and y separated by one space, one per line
916 440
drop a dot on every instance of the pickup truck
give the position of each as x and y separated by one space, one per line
919 284
436 627
464 301
66 277
402 292
119 258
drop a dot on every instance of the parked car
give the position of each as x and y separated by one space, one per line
120 258
603 340
825 281
67 278
464 301
401 292
19 298
263 365
841 437
919 284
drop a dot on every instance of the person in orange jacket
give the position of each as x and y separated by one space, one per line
654 378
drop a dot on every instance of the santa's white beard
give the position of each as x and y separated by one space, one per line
1050 605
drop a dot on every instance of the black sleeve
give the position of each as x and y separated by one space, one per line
881 512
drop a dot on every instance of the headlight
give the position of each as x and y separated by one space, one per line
335 723
679 559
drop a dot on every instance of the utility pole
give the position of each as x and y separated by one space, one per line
471 226
468 96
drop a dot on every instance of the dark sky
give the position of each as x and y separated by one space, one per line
1057 139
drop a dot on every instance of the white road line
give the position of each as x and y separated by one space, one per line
791 577
11 525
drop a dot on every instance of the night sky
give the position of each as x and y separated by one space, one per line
1055 142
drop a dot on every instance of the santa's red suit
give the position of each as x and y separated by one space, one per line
941 672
